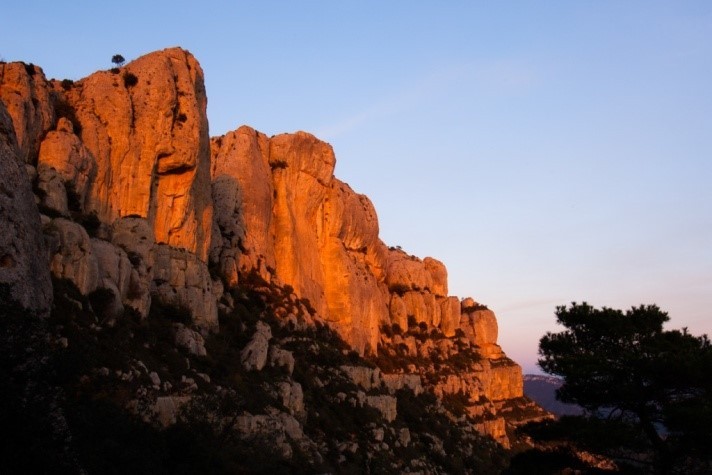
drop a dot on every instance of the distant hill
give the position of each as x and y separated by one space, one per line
542 389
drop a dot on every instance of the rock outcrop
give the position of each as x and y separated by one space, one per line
254 355
141 208
72 255
28 99
23 258
240 159
63 152
146 128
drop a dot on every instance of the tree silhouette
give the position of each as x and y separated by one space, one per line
647 392
118 60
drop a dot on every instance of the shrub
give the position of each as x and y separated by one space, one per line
135 258
91 223
278 164
175 313
130 79
474 308
456 403
101 300
74 201
399 289
30 68
67 84
63 109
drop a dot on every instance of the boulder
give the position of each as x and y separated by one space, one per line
189 339
438 276
405 273
292 397
114 266
282 359
180 279
166 408
73 258
254 355
64 152
51 192
386 405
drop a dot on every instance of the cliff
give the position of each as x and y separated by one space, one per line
134 202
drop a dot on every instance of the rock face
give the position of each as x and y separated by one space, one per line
62 151
72 255
301 226
28 99
254 355
241 158
180 279
23 260
141 205
150 142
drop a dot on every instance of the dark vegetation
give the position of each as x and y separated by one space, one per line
118 60
62 108
77 394
474 308
399 289
278 164
30 68
91 395
130 79
646 391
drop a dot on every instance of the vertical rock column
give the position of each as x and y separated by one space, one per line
147 129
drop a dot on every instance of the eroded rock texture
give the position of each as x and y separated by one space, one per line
140 204
23 258
146 128
27 97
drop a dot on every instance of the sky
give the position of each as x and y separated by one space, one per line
546 152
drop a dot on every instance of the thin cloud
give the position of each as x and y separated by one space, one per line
504 77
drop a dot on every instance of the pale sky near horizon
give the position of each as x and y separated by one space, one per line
546 152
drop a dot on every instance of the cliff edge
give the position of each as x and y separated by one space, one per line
112 183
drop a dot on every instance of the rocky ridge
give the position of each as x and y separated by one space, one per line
138 205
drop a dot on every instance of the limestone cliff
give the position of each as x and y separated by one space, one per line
149 138
139 204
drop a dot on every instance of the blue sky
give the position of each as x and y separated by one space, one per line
545 151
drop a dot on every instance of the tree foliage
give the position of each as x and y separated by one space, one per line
635 379
118 60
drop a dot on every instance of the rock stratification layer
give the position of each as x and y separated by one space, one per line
139 203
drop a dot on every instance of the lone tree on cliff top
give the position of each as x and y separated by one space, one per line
118 60
647 392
